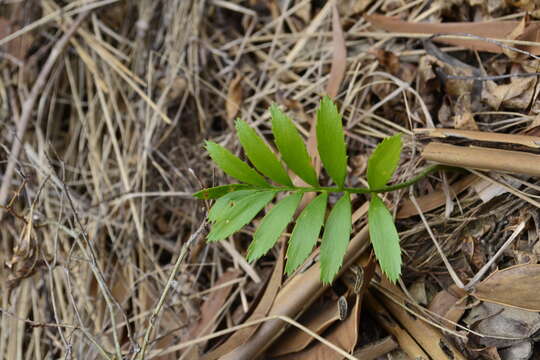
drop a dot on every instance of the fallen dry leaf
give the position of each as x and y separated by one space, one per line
512 287
262 308
318 318
212 305
234 97
491 30
343 335
339 58
448 304
502 326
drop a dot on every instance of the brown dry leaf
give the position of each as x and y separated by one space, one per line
502 326
512 287
463 117
387 59
491 30
516 33
516 95
339 58
448 304
474 254
344 335
317 319
211 307
434 199
261 310
235 96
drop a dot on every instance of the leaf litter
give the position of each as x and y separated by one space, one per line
99 207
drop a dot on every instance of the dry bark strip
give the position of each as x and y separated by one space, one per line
514 139
516 162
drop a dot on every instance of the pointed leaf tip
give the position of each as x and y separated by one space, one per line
331 141
260 154
383 161
384 238
233 166
337 232
306 232
291 146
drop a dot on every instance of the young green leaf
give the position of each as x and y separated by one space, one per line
272 225
225 204
233 166
384 238
383 161
306 232
241 214
337 232
218 191
292 147
331 141
260 154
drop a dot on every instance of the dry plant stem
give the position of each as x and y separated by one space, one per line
92 255
174 272
278 318
516 162
402 185
28 106
486 267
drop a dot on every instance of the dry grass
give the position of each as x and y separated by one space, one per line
98 207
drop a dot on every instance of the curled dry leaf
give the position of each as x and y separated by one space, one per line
512 287
344 335
318 318
448 304
234 97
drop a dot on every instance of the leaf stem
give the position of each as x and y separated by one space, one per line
402 185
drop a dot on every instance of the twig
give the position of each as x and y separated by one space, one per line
28 106
170 281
